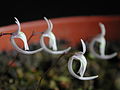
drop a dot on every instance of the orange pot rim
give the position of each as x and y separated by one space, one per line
69 28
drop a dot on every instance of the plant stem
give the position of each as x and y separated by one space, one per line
33 33
51 67
2 34
30 36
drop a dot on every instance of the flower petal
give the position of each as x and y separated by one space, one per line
79 56
82 59
50 25
92 50
75 75
22 36
42 43
100 38
23 51
102 46
83 62
84 46
52 41
18 23
102 28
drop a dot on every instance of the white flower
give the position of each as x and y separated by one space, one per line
101 39
52 40
22 36
80 56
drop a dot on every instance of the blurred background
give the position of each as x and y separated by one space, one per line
34 10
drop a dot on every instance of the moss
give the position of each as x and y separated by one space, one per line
29 69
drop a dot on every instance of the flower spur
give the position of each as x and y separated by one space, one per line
100 38
52 40
80 56
22 36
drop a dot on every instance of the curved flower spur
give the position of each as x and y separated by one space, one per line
22 36
52 40
80 56
100 38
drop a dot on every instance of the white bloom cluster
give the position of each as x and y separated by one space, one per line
48 33
52 44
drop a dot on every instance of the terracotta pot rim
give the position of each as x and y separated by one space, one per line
66 19
69 28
